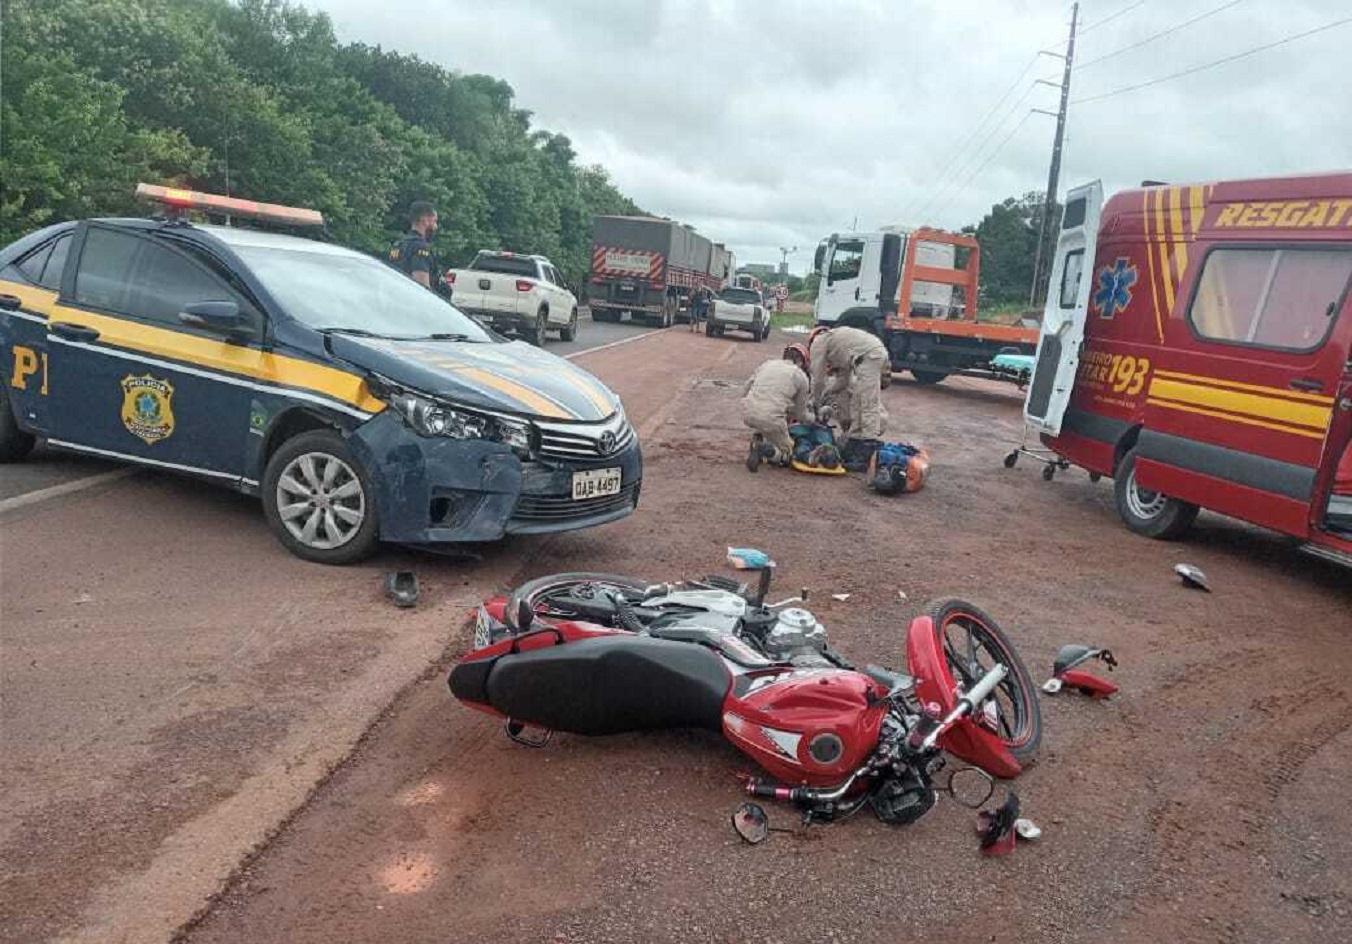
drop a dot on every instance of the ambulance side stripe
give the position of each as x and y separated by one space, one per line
1161 239
1244 420
1311 416
1150 258
1176 219
1269 391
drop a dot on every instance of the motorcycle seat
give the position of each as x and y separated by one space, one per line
610 685
892 681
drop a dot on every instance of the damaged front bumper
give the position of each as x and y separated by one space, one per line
439 490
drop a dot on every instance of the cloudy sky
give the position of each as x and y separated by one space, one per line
772 123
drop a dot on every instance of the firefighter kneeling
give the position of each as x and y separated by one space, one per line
776 393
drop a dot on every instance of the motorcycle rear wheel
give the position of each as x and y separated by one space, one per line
541 592
972 643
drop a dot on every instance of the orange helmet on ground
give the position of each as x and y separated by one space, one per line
798 352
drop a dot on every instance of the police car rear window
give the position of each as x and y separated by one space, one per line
504 265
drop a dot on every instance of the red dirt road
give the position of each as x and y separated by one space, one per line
1205 803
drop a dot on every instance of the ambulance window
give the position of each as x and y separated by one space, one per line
1075 213
846 261
1274 298
1070 278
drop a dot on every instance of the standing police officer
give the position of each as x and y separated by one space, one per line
412 254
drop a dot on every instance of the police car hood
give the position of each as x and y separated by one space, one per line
511 377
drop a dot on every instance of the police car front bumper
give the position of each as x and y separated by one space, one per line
437 490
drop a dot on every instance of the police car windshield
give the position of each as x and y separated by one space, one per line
346 291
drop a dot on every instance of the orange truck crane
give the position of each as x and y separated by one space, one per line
917 290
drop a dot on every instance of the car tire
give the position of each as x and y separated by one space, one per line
1149 513
928 377
757 334
343 538
535 334
15 444
569 331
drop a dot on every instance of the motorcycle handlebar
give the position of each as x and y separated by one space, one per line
966 704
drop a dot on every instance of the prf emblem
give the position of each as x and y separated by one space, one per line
147 410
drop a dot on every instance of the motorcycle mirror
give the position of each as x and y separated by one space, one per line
525 616
971 787
752 823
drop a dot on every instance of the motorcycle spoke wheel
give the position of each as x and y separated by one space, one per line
547 596
972 644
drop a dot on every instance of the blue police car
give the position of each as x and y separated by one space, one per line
356 404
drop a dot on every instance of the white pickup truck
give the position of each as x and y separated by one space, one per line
512 292
738 309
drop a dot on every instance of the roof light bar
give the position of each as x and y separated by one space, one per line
213 203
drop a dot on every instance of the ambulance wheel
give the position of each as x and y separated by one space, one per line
1149 513
15 444
569 331
319 501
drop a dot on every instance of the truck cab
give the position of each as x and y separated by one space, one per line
1197 347
916 288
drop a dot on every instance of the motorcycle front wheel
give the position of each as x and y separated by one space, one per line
549 597
973 643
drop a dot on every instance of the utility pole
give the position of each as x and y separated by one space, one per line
1047 228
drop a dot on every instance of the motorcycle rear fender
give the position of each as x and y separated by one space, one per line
937 690
466 677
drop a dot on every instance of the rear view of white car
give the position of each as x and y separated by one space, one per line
739 309
516 294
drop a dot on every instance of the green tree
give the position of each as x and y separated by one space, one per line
1008 238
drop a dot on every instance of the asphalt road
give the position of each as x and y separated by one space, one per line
47 468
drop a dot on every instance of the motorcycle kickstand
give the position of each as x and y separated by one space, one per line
514 731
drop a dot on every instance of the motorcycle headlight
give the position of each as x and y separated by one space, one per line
432 418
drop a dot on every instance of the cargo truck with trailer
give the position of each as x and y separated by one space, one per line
647 266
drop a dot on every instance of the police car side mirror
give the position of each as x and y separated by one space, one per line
217 317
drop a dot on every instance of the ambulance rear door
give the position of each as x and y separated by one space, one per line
1058 349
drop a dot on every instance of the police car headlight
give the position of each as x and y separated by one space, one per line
431 418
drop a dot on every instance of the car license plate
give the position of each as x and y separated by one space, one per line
595 483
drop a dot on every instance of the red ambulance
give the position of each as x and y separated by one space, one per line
1197 347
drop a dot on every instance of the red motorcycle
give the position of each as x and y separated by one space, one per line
596 654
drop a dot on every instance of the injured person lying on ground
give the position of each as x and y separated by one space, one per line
776 395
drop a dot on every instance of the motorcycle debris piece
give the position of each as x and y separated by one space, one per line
401 586
1192 577
841 597
748 558
1027 829
996 827
1051 686
751 823
1075 655
1087 683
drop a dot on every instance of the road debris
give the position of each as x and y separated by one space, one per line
401 586
1192 577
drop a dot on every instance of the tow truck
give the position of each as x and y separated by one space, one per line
916 288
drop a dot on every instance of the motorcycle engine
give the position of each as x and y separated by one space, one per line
796 637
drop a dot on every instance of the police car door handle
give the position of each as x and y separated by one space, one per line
10 302
1307 383
74 332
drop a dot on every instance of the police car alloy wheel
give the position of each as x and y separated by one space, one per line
318 502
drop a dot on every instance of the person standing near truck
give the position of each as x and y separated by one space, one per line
412 254
857 360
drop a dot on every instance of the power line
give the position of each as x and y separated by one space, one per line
986 163
952 161
1213 64
1109 19
973 155
1159 35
